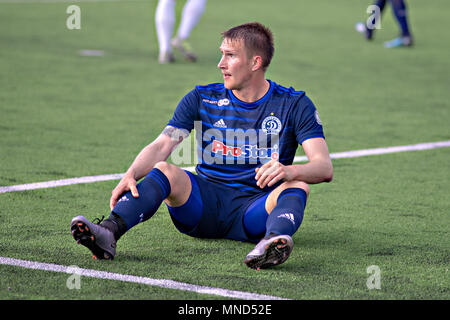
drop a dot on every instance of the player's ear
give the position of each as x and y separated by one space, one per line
257 63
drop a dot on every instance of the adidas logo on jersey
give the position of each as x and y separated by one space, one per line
288 216
220 124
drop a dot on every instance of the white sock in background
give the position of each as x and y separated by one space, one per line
192 12
165 22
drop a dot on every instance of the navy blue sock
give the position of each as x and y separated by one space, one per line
287 215
152 191
380 4
399 8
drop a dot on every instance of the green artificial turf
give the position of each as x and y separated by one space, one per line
64 115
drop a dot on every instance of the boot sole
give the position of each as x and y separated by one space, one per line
83 235
275 253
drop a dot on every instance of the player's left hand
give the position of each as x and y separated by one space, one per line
272 172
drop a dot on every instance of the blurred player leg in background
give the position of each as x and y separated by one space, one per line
165 23
364 28
192 12
401 15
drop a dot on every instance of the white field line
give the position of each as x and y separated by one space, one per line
60 183
117 176
163 283
170 284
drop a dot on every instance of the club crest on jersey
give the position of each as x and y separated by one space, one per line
271 125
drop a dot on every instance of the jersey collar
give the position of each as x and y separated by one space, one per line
253 104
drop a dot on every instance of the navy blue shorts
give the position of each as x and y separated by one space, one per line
219 211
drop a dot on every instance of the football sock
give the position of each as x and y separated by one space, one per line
380 4
287 215
399 8
115 224
192 12
165 22
153 189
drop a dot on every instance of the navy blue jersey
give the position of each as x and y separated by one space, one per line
235 137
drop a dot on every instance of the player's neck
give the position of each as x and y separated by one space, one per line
254 91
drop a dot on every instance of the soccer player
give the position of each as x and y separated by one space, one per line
165 23
246 188
401 15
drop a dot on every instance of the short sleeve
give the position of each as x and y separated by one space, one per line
186 112
306 120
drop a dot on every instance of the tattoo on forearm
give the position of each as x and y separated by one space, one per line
176 134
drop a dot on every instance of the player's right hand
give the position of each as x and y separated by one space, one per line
128 183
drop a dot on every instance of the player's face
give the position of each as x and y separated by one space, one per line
234 64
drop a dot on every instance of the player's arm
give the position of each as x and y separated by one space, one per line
319 167
159 150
